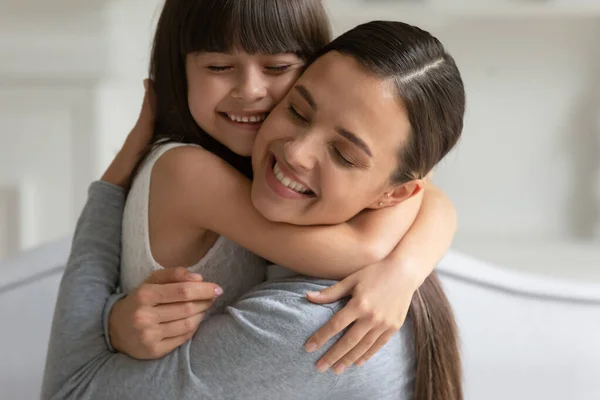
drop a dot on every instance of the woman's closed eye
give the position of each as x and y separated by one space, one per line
296 115
340 158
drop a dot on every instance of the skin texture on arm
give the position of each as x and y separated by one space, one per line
219 201
429 238
225 359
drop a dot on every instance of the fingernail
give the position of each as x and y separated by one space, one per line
360 363
322 366
339 369
310 347
218 291
195 277
313 294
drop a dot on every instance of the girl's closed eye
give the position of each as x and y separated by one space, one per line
278 68
219 68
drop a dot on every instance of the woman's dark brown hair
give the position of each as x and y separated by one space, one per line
430 88
257 26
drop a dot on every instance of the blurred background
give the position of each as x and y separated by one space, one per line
525 179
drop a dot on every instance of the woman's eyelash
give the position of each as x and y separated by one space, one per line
343 161
340 157
296 114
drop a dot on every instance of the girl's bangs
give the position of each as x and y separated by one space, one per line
257 26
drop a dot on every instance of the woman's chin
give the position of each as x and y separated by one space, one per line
271 213
265 206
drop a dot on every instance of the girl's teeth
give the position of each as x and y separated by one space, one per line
287 182
246 119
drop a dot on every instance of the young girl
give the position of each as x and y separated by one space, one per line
219 68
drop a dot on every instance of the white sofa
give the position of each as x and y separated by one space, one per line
523 337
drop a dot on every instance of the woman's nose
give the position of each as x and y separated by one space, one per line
300 153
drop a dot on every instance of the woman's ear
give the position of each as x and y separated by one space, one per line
400 193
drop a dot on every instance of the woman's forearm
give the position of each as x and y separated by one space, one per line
90 278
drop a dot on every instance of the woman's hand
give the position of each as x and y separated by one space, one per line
381 295
161 314
121 168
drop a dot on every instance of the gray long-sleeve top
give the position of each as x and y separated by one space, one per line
254 350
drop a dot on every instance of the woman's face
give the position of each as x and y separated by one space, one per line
327 151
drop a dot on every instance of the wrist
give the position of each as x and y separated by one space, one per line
411 270
119 171
113 337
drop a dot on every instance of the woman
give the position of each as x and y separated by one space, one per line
410 99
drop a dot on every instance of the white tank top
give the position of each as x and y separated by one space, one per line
227 264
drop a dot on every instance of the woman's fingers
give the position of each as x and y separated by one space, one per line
177 311
173 275
181 327
147 113
155 294
167 345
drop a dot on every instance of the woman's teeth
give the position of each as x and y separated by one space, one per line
289 183
247 119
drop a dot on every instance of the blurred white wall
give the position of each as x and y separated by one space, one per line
524 178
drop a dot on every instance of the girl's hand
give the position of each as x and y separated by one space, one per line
381 295
161 314
121 168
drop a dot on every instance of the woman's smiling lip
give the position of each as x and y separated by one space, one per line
276 186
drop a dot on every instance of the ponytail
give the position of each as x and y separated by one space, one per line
438 368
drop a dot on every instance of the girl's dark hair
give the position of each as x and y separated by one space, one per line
257 26
430 88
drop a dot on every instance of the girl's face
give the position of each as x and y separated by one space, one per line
328 150
231 94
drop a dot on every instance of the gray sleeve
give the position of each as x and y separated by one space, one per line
91 276
253 351
107 308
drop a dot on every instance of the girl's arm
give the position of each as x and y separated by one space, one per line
381 293
200 190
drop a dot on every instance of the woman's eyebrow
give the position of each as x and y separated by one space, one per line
303 91
354 139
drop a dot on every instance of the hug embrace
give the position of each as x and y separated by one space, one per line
269 229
